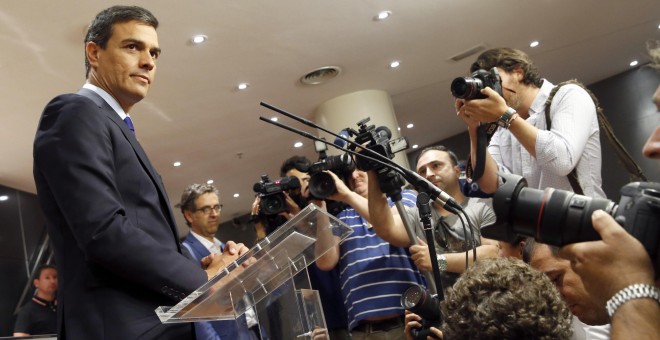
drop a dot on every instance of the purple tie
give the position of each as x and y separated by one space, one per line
129 122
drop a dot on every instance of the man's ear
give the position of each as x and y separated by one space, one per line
35 282
519 74
187 214
92 53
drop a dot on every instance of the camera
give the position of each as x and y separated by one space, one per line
559 217
378 139
272 200
321 184
470 87
419 301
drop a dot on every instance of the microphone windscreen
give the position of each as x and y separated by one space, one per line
340 142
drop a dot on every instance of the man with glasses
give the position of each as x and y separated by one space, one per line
200 205
440 166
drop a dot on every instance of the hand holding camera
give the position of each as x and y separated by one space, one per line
624 257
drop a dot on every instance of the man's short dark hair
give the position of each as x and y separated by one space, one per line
191 193
509 59
452 155
100 30
504 298
41 268
300 163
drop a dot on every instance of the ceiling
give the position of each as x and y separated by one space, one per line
194 113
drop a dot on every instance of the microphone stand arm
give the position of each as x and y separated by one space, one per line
424 206
390 183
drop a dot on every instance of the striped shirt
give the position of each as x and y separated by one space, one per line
373 274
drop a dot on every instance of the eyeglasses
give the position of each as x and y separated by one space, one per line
207 209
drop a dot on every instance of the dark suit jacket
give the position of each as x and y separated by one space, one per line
109 219
226 329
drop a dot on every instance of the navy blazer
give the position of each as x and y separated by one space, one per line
115 240
225 329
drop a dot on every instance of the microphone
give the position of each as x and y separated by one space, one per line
439 196
341 141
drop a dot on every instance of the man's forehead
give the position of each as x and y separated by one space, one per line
432 156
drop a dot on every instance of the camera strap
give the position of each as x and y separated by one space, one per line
605 126
484 133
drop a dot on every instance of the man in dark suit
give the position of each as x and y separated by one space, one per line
115 239
201 208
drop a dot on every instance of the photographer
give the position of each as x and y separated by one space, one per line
501 298
611 266
373 273
326 282
440 166
295 200
523 144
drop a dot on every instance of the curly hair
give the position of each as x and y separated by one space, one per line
504 298
509 59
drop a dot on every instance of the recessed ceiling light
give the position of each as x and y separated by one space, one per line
298 144
4 198
415 146
210 181
274 119
198 39
176 163
410 126
382 15
243 86
634 63
395 64
534 43
659 27
398 128
236 195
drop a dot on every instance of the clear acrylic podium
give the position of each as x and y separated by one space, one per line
271 278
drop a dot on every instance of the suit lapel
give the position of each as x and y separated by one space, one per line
142 156
197 246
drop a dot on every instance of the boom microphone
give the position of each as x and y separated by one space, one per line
436 194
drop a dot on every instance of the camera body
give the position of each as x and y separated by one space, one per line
321 184
470 87
559 217
377 140
272 200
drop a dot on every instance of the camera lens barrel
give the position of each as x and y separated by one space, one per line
467 88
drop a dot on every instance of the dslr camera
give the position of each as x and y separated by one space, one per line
321 184
419 301
470 87
378 139
272 200
559 217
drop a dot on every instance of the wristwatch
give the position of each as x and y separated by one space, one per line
506 119
442 262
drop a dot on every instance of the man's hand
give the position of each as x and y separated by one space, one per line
613 263
468 119
292 208
421 256
215 262
484 110
343 193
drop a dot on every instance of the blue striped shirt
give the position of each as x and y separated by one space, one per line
373 273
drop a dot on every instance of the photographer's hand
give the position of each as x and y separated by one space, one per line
609 265
488 109
466 117
412 321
